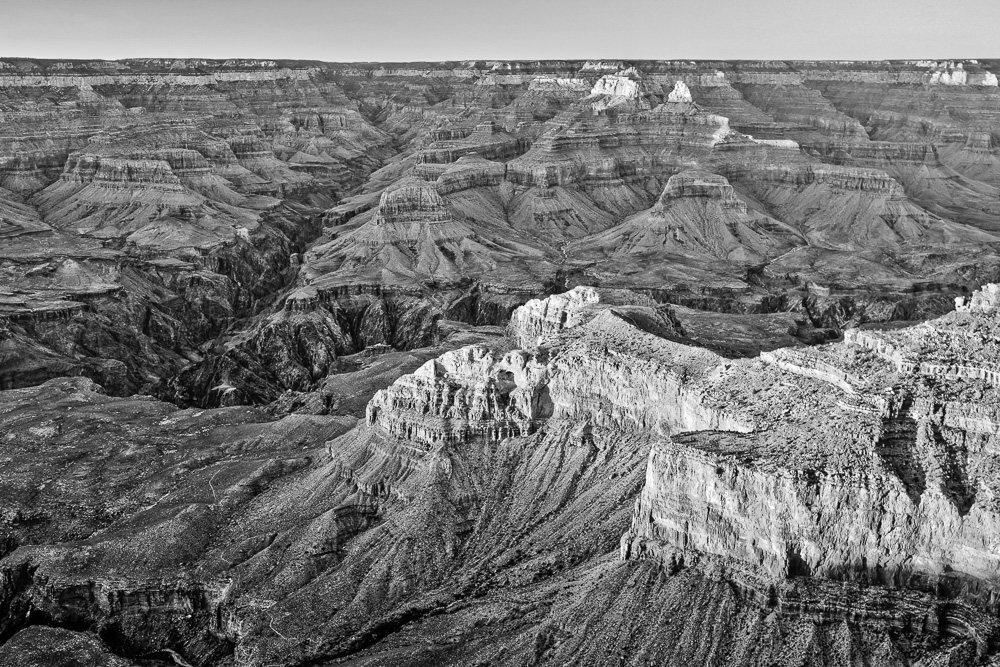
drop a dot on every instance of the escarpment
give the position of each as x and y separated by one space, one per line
877 472
825 486
464 394
178 196
740 188
536 363
856 502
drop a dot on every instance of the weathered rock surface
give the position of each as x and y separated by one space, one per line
898 492
734 187
498 363
296 551
54 647
141 208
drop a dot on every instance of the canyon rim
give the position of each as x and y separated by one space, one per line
499 362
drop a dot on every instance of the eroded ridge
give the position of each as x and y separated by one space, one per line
876 462
825 464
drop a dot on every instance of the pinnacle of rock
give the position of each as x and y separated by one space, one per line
680 94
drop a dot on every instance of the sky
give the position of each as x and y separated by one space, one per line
418 30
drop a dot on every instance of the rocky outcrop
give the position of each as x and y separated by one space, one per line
735 464
539 320
904 460
602 375
415 236
846 179
680 94
410 201
753 491
462 395
180 228
983 300
467 173
694 183
486 140
697 213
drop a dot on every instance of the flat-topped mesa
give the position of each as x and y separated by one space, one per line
226 164
27 171
184 162
248 146
488 140
449 133
872 181
607 373
328 121
697 212
980 142
463 395
302 300
985 300
411 200
470 172
120 173
197 173
959 347
699 183
874 153
254 151
559 85
884 519
539 320
486 130
620 146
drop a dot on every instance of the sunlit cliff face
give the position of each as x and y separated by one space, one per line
473 363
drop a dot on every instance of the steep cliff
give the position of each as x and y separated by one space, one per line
537 363
736 509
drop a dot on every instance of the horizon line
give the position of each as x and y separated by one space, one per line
509 60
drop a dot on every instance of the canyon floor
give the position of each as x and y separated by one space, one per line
499 363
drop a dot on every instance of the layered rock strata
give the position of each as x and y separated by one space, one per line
877 473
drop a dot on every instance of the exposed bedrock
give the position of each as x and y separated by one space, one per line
851 525
801 107
698 213
298 347
118 172
389 532
873 181
695 183
41 646
163 195
136 618
433 496
587 379
876 474
464 394
486 140
143 592
137 322
737 488
540 319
